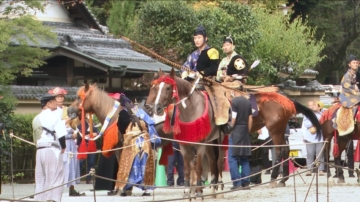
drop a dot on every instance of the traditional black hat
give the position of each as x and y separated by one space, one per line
200 30
46 98
351 58
229 39
237 65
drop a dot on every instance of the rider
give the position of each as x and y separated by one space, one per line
204 60
229 50
350 95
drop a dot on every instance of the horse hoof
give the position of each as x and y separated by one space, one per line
281 184
341 180
146 194
272 184
220 196
128 193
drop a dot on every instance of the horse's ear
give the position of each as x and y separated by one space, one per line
156 75
172 73
160 72
87 87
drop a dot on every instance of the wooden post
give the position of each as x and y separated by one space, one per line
70 71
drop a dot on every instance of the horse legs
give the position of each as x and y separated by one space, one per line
327 156
188 157
285 155
211 158
220 164
342 142
275 171
200 151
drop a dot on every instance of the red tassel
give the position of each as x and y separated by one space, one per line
82 150
336 146
176 129
167 151
357 152
167 127
91 144
225 142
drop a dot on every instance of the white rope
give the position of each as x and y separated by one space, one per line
100 151
241 146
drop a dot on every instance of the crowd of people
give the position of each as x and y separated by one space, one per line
57 139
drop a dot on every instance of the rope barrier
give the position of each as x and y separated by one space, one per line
55 187
235 146
92 171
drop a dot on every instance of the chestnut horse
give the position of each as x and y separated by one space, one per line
208 162
274 112
339 143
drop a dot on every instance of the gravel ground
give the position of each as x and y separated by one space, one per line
337 192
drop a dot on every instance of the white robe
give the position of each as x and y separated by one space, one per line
49 165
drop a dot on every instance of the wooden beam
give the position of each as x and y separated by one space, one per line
70 71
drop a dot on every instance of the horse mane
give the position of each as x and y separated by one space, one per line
98 99
184 87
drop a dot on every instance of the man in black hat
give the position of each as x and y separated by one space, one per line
204 60
229 50
49 168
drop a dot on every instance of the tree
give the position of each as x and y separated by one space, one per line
19 39
121 17
284 45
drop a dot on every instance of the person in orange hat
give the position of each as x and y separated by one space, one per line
71 164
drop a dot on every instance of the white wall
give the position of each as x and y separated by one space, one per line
53 12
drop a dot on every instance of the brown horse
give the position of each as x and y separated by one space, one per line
328 133
274 112
211 152
199 118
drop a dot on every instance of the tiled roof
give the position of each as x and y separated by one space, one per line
290 70
313 85
35 92
106 49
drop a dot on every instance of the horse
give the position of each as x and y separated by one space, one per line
210 153
93 100
340 142
274 111
198 116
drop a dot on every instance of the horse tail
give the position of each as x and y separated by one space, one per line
310 115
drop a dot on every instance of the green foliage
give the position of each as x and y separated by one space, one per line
284 45
231 18
169 26
19 40
166 26
101 9
121 17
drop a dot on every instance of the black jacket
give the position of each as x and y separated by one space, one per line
208 62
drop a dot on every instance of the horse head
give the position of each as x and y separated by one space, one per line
162 92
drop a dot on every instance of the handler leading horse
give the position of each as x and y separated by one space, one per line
274 111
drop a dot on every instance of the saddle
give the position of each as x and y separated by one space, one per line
344 119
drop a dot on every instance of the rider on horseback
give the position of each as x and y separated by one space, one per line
349 94
229 49
204 60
